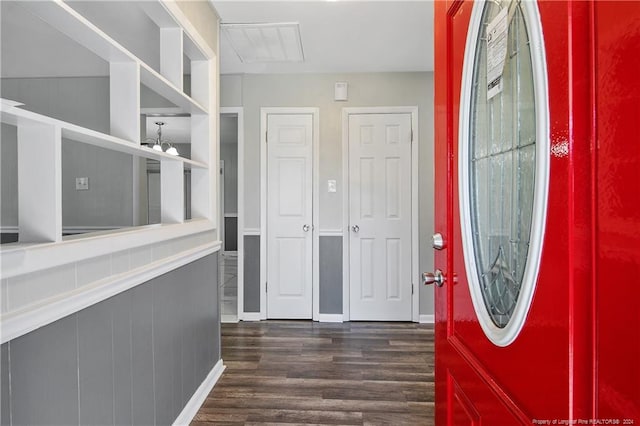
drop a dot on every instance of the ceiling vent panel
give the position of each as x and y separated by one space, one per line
270 42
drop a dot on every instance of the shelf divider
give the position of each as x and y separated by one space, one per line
39 182
172 191
171 55
124 105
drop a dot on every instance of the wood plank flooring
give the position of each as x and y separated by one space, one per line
303 372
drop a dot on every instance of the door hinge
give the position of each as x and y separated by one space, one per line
412 289
266 137
266 287
411 135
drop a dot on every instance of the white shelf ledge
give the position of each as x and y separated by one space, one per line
156 82
66 20
69 22
23 258
14 116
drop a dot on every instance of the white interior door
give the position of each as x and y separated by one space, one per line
380 217
289 215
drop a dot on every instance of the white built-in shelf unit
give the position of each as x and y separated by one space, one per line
39 175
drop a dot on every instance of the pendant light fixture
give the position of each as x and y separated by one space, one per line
158 142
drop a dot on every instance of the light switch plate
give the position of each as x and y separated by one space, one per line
331 185
82 184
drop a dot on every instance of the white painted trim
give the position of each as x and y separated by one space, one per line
226 215
505 336
200 395
330 233
251 316
415 202
264 112
346 294
228 319
415 215
252 232
315 216
221 197
239 111
28 319
263 213
19 259
427 319
330 318
12 229
88 229
189 29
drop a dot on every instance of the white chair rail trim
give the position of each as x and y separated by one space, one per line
30 318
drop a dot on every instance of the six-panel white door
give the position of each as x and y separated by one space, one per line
289 215
380 217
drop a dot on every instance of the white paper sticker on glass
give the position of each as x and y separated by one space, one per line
497 31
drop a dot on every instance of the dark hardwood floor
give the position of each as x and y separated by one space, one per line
301 372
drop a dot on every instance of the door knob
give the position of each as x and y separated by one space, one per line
436 277
355 228
306 228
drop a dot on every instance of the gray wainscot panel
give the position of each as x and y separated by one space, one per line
135 358
5 408
95 358
252 273
330 259
44 375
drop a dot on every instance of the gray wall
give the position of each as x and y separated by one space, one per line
8 176
252 273
83 101
253 91
135 359
330 275
229 154
109 200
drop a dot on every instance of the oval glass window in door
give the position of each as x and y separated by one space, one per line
503 162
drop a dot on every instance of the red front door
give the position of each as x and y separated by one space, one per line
574 359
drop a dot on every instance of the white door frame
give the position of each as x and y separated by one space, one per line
221 203
315 112
239 111
415 238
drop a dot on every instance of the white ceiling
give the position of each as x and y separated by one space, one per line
339 36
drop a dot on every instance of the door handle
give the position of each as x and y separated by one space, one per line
306 228
355 228
436 277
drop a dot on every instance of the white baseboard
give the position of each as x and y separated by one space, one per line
193 405
229 318
330 318
330 233
427 319
251 316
